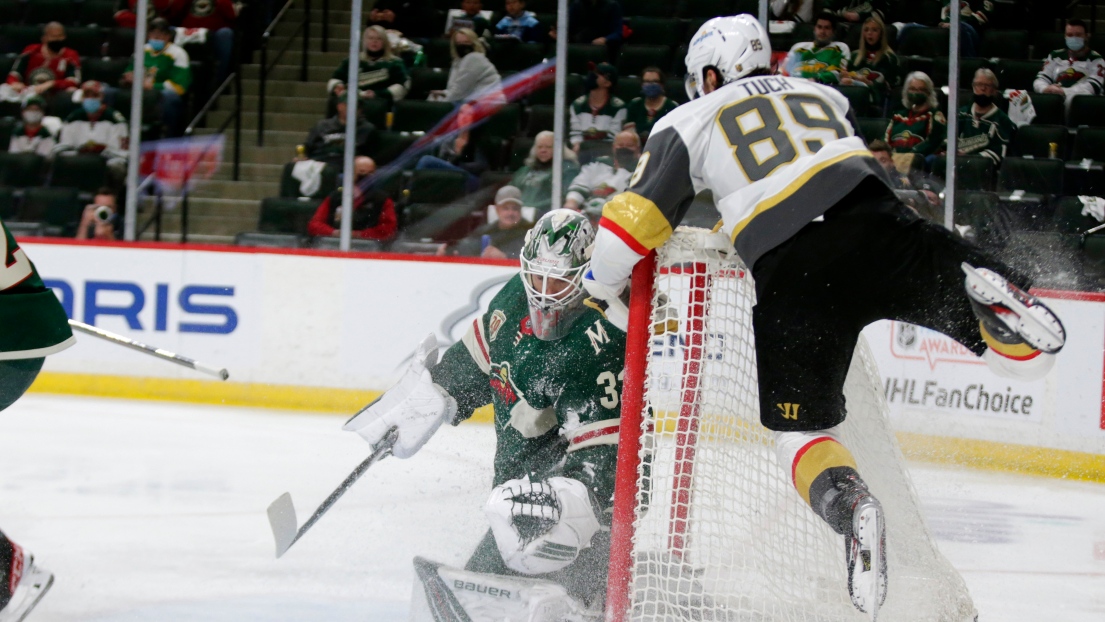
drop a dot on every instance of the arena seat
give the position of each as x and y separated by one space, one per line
1035 141
513 55
707 8
42 11
873 128
9 11
428 190
58 208
858 97
519 151
8 206
1004 44
98 12
106 70
120 42
648 8
634 58
418 116
1049 108
390 145
971 171
21 170
288 216
289 186
7 124
504 124
967 69
1089 142
580 55
83 172
1086 111
573 89
1017 74
1042 177
1044 42
627 88
426 79
656 31
1069 218
437 53
924 42
85 40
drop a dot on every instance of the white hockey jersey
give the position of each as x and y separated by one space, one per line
776 152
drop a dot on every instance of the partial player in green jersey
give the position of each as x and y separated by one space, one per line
34 326
552 368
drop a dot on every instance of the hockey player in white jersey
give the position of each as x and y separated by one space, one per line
810 210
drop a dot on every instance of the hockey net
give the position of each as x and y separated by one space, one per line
707 525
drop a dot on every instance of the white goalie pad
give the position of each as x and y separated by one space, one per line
444 594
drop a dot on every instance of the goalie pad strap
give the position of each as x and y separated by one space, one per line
604 432
476 342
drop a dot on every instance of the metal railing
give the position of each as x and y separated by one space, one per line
265 67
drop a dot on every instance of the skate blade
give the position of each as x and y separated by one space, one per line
41 582
868 578
1043 333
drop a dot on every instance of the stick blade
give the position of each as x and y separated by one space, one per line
283 523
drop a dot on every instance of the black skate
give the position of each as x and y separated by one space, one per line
32 584
1011 314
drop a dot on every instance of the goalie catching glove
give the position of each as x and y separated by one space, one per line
415 406
541 526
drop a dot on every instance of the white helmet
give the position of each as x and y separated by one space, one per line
735 46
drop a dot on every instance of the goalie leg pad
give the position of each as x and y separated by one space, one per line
454 595
416 406
541 527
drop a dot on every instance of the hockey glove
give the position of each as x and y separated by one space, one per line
608 300
416 406
541 527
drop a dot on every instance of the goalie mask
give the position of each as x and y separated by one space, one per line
556 253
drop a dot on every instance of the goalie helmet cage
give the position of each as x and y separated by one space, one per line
706 524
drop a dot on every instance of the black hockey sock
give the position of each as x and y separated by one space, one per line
834 494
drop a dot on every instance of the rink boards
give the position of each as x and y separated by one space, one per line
323 330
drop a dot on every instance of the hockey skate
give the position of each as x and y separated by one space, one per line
1010 314
865 554
31 585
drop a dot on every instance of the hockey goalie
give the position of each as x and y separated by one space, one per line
552 369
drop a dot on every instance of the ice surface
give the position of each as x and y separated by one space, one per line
151 511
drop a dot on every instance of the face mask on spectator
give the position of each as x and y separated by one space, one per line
90 105
55 46
652 89
627 158
157 44
983 100
1075 43
32 117
464 49
917 98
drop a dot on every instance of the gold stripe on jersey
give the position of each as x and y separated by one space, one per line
640 218
793 187
815 458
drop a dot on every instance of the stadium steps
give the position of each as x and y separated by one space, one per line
286 121
229 189
250 172
220 217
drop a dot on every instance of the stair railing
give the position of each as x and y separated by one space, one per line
304 30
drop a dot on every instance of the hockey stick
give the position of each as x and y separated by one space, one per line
282 511
222 374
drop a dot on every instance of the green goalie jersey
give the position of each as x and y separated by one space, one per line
557 403
34 322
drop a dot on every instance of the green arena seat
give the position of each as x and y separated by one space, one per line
519 151
86 40
437 53
98 12
707 8
504 124
573 85
925 42
858 97
967 68
627 88
289 186
426 79
1089 142
418 116
59 208
10 11
1036 140
279 215
1049 108
390 145
8 206
7 124
428 191
513 55
647 8
1069 218
634 58
22 170
582 55
106 70
42 11
1034 176
974 172
1086 111
375 111
87 173
873 128
1044 42
18 36
541 118
656 31
1004 44
120 42
1017 74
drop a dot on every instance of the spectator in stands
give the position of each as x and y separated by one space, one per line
643 112
168 71
918 127
1073 70
154 9
471 19
502 239
94 128
603 178
461 154
931 207
520 24
413 18
856 11
598 22
45 69
373 211
381 74
30 135
983 128
823 59
599 114
792 10
326 140
218 17
874 64
100 217
535 180
971 22
471 73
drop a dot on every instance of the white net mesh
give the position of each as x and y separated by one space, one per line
720 532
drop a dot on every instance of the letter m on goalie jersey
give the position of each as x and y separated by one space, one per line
597 335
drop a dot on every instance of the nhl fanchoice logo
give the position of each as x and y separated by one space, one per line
498 318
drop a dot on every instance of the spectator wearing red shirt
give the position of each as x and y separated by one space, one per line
373 211
155 9
45 69
218 17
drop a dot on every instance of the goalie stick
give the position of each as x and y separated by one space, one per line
87 329
282 511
